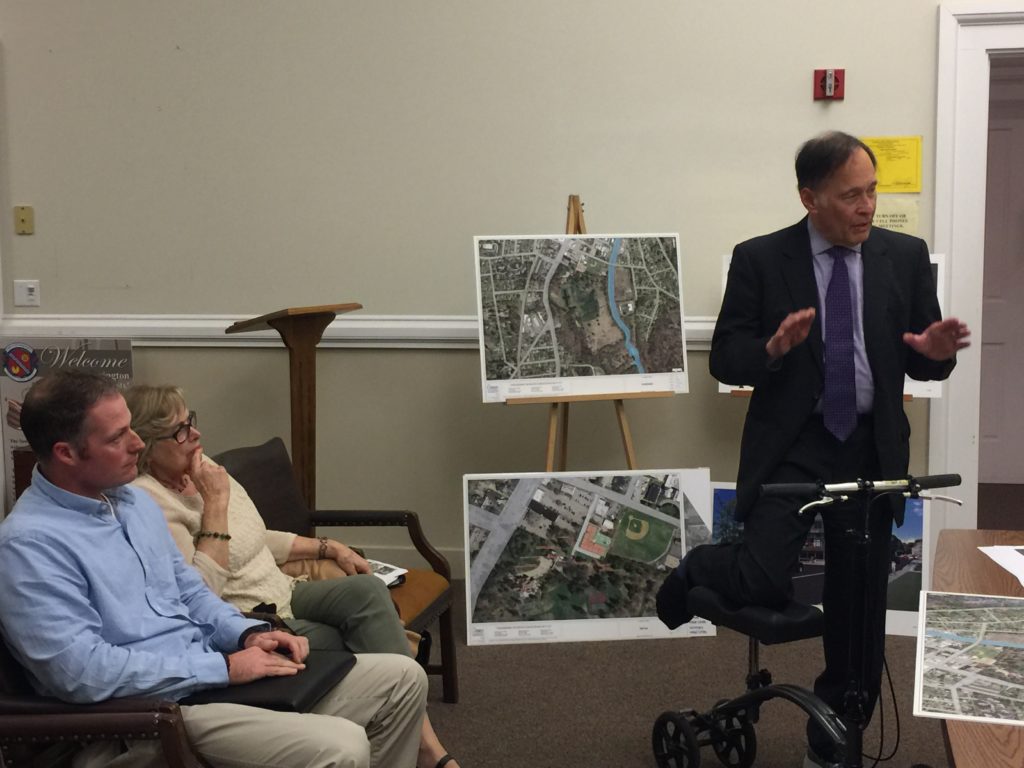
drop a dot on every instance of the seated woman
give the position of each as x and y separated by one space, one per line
219 531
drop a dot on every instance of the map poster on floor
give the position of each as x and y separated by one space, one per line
725 528
969 650
571 315
26 360
906 557
907 550
564 556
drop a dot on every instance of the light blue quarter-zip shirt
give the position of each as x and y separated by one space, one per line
97 602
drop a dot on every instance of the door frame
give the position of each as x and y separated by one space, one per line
968 35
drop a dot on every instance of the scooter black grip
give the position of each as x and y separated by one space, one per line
937 481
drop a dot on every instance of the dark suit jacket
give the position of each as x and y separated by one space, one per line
773 275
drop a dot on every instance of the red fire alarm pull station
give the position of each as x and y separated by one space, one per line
829 84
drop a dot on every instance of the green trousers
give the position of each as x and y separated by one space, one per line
354 613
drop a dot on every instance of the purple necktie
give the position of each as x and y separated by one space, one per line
840 405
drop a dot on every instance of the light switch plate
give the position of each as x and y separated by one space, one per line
24 220
26 293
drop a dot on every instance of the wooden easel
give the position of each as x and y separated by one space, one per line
558 410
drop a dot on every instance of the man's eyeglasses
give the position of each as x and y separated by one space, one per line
181 432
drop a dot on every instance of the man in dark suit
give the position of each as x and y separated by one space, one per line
828 400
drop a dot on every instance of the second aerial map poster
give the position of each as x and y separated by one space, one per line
564 315
969 650
562 556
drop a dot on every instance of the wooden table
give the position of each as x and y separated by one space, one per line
961 567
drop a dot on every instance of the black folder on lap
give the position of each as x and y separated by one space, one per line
296 693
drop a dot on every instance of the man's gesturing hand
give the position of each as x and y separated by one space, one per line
940 340
792 331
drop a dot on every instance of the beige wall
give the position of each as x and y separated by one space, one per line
233 156
238 156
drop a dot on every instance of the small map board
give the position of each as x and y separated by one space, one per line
556 557
391 575
569 315
970 658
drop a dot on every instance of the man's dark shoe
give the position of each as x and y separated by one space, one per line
813 760
671 600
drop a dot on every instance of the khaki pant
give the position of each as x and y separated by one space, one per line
372 719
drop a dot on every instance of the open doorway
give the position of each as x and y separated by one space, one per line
1001 434
970 38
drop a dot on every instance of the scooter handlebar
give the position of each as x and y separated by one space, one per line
809 490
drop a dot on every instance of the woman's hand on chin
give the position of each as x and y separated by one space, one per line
211 480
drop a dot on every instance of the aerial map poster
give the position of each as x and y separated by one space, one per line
564 315
563 557
970 658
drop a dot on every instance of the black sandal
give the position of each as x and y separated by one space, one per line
445 759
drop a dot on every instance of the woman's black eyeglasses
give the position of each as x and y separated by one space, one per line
181 432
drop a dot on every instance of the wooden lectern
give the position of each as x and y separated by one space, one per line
301 329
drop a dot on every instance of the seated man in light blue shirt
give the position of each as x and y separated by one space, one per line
96 602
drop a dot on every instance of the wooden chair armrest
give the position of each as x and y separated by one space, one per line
361 517
27 722
42 705
390 517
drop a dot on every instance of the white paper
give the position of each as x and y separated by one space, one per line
1009 558
389 574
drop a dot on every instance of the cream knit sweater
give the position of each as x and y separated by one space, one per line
253 552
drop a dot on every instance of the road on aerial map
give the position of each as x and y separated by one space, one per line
501 527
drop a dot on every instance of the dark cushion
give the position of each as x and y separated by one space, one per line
265 471
795 621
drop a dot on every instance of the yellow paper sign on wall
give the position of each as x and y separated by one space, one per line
899 162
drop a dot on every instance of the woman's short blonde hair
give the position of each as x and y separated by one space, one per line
154 414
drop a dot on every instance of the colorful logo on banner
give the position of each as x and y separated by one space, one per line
21 362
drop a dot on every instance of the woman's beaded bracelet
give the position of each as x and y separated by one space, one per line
213 535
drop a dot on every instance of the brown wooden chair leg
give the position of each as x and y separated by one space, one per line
449 671
174 740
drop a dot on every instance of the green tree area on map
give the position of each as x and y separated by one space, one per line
540 579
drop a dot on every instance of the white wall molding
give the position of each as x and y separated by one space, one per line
368 331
